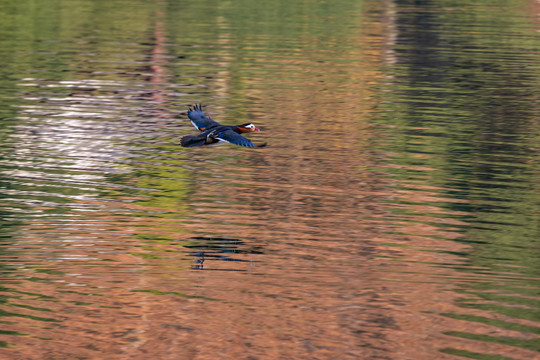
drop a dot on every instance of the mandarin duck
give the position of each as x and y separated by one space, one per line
213 132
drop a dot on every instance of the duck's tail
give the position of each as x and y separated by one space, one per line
192 140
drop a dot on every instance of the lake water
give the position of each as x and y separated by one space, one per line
394 214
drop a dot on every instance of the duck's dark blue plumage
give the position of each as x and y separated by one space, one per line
229 135
199 120
213 132
215 135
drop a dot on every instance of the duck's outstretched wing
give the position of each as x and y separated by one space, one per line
232 137
199 120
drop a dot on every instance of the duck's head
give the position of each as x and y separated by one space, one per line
247 127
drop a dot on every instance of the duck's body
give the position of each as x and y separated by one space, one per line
213 132
220 133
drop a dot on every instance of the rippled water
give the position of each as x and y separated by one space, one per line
394 214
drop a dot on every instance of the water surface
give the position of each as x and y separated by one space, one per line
394 214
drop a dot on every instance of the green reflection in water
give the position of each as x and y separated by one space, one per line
176 293
494 322
147 256
465 113
473 355
526 344
48 36
4 313
505 306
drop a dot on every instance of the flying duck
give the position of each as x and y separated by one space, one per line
213 132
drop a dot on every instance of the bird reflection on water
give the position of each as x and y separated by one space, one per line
220 249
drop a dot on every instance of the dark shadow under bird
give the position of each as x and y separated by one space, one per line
213 132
